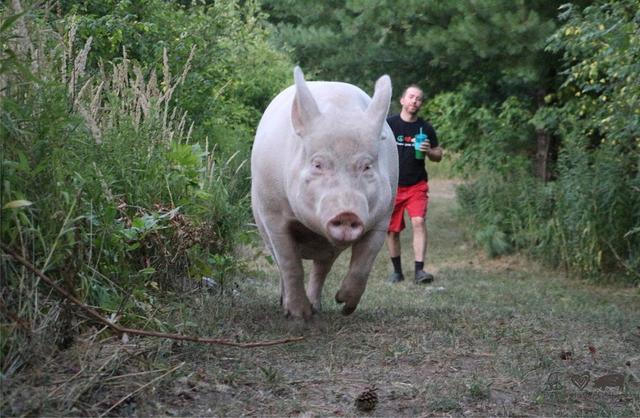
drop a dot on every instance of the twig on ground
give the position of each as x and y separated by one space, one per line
124 398
132 331
61 384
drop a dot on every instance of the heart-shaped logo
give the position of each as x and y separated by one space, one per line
580 380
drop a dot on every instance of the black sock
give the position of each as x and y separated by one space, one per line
397 266
419 265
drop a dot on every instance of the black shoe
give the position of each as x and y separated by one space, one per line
395 278
423 277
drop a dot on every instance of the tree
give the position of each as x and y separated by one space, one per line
497 47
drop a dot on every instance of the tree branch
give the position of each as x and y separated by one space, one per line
132 331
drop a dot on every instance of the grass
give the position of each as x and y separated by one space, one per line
489 337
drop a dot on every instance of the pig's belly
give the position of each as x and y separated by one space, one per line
311 245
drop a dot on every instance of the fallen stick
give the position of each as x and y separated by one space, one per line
132 331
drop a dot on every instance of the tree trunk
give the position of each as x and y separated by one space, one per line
543 143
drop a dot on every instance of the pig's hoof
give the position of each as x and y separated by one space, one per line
305 313
316 307
348 310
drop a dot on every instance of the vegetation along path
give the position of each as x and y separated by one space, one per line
488 337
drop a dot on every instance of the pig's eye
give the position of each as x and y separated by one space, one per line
318 164
365 165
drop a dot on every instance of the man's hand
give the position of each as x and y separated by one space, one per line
434 154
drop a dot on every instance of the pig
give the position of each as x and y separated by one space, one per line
324 174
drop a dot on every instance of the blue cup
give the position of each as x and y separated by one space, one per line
418 140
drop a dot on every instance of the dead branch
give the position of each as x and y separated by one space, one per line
132 331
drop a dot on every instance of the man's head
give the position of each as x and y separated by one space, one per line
411 100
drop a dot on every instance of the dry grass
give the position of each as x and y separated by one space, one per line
483 340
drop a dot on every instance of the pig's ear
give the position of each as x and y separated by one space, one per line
379 106
304 109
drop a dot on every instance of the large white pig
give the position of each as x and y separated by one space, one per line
324 169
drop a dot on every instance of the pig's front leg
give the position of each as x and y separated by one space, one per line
318 275
363 255
293 297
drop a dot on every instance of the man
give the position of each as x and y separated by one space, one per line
413 186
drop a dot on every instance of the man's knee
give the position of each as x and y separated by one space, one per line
417 221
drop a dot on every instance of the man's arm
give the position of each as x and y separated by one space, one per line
434 154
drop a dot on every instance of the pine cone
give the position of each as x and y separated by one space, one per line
367 400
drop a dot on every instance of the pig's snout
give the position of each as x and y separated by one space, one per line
345 227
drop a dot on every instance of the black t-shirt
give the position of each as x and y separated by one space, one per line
412 170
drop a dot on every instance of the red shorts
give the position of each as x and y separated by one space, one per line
414 199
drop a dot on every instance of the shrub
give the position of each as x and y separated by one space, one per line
108 185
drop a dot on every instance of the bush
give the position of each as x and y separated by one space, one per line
108 185
588 218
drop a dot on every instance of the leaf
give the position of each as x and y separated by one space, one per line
148 271
10 21
138 223
15 204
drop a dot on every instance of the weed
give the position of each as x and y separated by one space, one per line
271 375
479 389
444 405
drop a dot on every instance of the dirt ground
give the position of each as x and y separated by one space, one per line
490 337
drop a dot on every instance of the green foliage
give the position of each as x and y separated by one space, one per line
233 75
498 136
439 45
126 129
598 187
508 213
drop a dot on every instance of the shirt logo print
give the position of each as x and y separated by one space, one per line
405 140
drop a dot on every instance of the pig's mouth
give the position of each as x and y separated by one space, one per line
345 228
